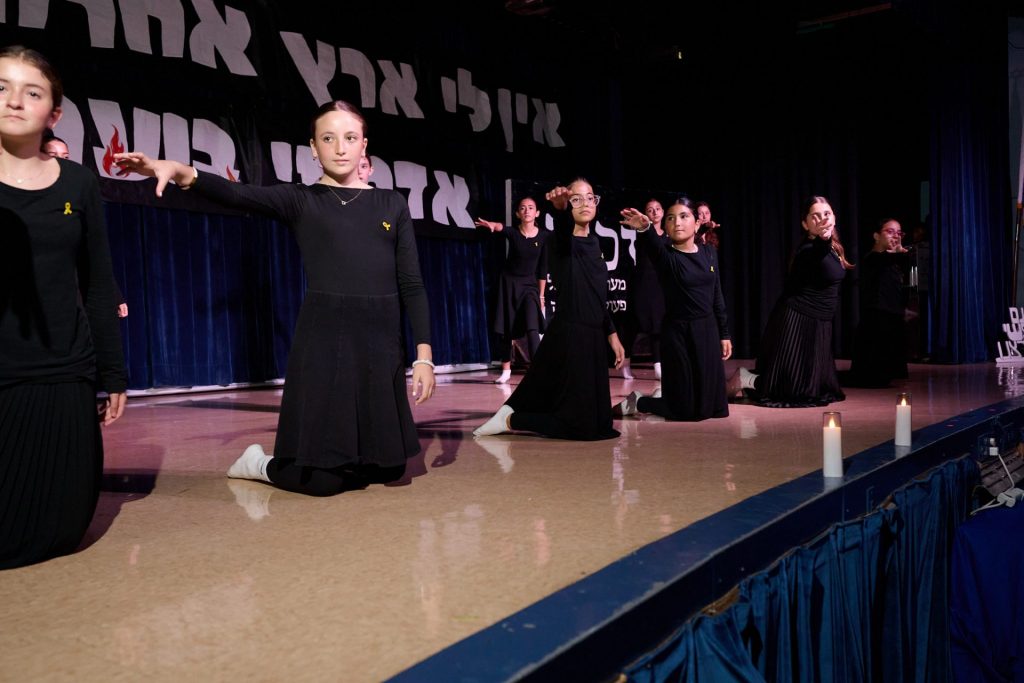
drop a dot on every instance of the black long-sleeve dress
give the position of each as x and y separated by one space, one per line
879 351
59 344
565 393
796 367
647 297
695 323
518 295
344 399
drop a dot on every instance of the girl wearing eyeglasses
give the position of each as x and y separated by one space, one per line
565 393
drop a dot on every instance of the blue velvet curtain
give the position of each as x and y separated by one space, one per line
970 196
866 601
213 299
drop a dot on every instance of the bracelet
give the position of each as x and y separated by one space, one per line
423 361
195 177
650 224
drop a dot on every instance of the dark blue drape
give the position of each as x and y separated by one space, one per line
213 299
866 601
972 226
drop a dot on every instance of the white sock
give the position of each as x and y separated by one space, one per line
657 370
505 376
251 464
627 372
498 424
747 378
656 393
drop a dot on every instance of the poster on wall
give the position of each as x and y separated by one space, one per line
231 87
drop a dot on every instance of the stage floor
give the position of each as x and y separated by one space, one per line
190 575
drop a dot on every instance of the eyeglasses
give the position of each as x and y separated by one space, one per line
578 200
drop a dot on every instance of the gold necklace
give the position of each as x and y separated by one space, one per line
22 180
343 201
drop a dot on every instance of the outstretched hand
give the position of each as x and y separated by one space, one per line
493 226
559 197
634 219
163 171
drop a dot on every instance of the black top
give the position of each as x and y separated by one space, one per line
58 319
579 273
881 284
523 252
690 281
364 247
812 286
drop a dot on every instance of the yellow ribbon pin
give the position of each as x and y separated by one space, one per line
387 226
67 208
712 269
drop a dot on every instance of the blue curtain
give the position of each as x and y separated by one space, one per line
213 299
866 601
970 196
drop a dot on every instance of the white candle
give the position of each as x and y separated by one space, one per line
902 420
832 444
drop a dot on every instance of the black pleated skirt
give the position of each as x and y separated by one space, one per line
568 382
693 376
796 368
51 464
345 399
880 350
518 306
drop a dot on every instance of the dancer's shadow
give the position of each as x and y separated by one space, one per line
118 487
449 439
227 405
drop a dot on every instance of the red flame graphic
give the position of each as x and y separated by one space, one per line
115 147
231 176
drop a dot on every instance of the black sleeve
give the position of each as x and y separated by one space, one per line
544 258
97 287
282 202
609 324
719 301
654 247
410 282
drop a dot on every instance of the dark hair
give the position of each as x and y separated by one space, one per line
523 199
685 201
40 62
881 223
837 246
703 203
336 105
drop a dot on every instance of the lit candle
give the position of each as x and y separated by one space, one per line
832 444
902 419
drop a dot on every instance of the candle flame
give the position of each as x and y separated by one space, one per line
903 400
831 422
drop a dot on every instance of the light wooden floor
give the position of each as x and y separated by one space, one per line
191 576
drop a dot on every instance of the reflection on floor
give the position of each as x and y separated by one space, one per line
187 574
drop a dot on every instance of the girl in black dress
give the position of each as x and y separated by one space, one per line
59 338
795 368
879 350
695 332
519 308
647 300
345 420
565 392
